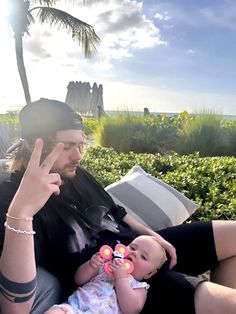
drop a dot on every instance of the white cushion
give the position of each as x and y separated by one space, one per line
153 202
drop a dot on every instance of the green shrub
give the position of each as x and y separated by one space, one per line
90 125
204 133
207 133
210 181
230 131
127 132
10 122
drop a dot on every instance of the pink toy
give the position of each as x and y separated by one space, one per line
121 251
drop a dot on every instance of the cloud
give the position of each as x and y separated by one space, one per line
191 51
35 46
47 34
124 29
121 24
221 14
162 17
127 26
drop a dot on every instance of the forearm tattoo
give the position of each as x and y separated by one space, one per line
17 292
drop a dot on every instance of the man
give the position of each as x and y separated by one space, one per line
71 225
54 201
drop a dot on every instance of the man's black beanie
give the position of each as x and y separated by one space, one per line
46 117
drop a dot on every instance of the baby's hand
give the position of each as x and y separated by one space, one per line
96 261
118 269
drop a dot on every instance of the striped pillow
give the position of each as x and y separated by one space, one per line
150 200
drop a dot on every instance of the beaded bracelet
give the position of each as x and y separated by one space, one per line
18 218
18 230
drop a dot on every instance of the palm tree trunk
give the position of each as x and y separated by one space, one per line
21 66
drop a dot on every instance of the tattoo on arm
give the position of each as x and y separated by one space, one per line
17 292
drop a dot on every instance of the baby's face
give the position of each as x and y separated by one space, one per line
147 256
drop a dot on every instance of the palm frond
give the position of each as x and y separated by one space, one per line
53 2
80 30
20 18
43 2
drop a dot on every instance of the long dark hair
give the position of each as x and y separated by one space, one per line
19 157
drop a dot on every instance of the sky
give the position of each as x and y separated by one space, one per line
169 56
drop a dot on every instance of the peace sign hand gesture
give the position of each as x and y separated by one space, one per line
37 184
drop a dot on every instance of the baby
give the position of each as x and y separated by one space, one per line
120 293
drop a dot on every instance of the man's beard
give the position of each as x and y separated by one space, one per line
64 173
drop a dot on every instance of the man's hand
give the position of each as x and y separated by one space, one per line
141 229
37 184
169 248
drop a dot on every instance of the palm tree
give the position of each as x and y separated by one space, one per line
21 18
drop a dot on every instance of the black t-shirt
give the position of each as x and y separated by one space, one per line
69 228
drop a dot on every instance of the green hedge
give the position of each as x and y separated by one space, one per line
210 181
207 133
10 122
128 132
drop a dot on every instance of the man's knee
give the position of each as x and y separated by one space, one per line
214 298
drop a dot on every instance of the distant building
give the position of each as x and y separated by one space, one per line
85 99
